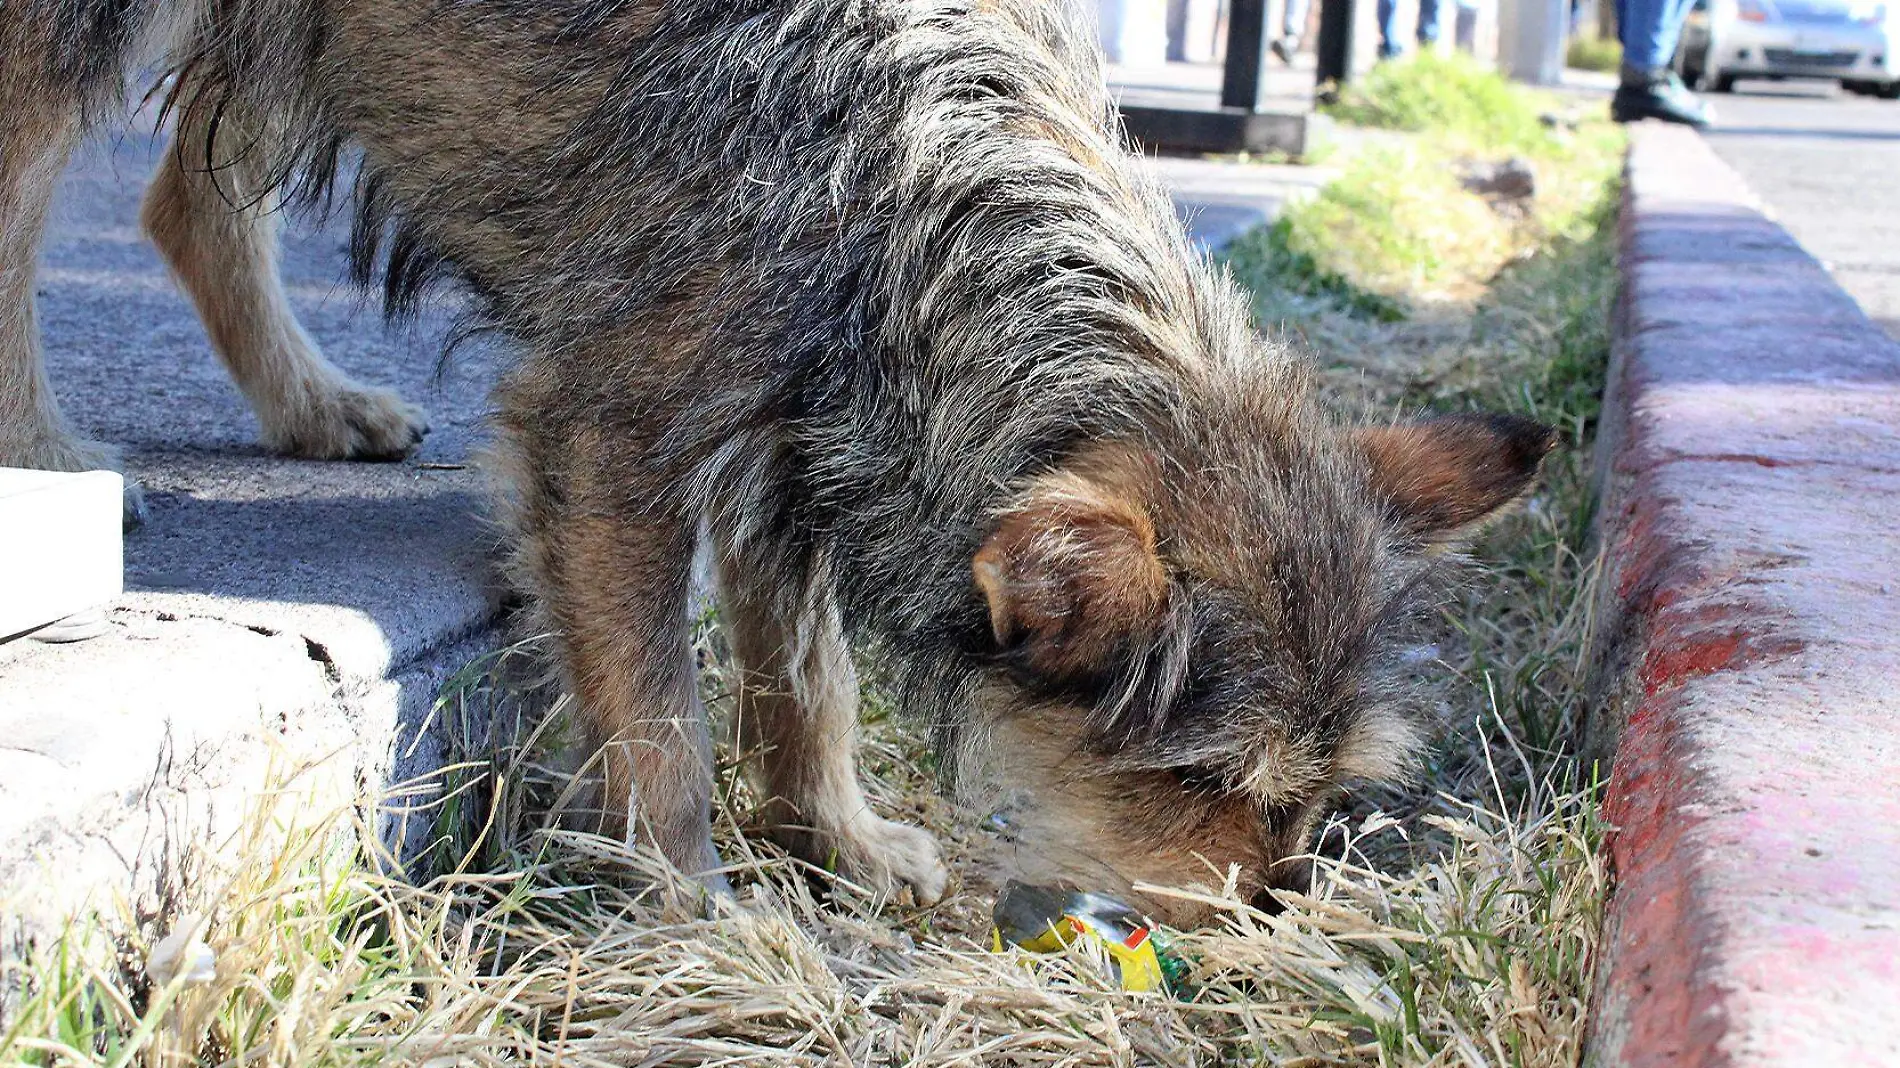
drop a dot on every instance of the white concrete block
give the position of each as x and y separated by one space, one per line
61 551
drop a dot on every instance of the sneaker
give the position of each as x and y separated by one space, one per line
1284 48
1658 95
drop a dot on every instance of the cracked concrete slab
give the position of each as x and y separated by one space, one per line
112 741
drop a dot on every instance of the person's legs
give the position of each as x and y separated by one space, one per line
1465 28
1649 89
1649 30
1292 28
1674 18
1427 23
1388 37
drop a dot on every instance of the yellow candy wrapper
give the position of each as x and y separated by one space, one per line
1045 919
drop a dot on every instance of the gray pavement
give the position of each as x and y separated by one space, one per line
1827 164
278 613
1218 200
1286 89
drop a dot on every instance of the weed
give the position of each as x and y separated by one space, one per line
1276 271
1450 96
1398 224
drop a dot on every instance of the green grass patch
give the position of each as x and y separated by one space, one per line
1397 223
1450 95
1601 54
1408 219
1267 258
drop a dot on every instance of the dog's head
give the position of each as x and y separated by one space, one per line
1199 638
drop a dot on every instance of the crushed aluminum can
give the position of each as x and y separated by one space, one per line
1045 919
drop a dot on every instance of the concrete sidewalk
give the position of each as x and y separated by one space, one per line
1220 199
277 612
1750 637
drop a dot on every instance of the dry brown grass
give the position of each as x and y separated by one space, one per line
594 955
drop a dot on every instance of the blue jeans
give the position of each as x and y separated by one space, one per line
1649 30
1293 19
1388 18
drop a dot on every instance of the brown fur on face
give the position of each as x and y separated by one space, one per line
1262 678
1071 816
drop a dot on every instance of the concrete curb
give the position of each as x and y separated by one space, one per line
1749 641
123 752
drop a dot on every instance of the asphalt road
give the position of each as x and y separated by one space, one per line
1828 165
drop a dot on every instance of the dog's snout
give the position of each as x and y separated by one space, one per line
1265 901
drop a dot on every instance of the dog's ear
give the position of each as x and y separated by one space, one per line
1070 577
1442 476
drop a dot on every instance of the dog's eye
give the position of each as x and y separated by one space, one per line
1202 781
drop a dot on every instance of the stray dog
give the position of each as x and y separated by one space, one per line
870 292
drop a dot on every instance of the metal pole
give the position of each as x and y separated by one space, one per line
1531 36
1240 71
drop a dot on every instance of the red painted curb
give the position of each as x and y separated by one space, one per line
1750 528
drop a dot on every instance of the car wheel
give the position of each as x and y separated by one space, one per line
1689 70
1889 91
1723 83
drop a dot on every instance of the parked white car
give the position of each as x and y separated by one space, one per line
1843 40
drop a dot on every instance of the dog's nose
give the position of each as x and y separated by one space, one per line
1267 903
1293 873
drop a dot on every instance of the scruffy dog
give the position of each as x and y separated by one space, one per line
870 291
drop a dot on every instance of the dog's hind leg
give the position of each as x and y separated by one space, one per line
797 719
214 219
38 130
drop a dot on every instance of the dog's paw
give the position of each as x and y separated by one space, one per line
343 420
886 857
78 454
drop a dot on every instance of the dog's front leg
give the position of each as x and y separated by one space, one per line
620 599
609 562
797 721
